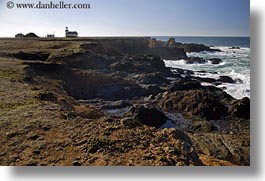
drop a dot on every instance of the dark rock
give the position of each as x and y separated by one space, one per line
142 64
116 104
193 60
240 108
208 80
36 152
148 116
33 137
223 146
215 60
203 126
31 56
184 84
196 48
226 79
76 163
130 122
152 89
182 71
169 53
151 78
46 96
200 103
171 43
121 66
32 163
235 48
90 84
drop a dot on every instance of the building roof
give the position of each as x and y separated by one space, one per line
72 32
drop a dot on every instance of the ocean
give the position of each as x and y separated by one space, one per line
235 62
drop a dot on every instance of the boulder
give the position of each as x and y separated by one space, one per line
215 60
148 116
226 79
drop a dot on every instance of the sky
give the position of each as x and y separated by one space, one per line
131 18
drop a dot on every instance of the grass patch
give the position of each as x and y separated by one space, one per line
7 72
69 115
16 105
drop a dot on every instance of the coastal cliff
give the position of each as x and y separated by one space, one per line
112 101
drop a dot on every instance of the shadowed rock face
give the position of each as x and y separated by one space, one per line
30 56
148 116
240 108
88 85
194 103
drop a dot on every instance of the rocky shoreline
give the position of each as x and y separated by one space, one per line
113 102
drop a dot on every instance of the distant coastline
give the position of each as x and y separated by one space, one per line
210 40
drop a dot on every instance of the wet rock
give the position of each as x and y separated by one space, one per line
235 48
193 60
226 79
215 60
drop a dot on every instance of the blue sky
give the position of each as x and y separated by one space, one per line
132 18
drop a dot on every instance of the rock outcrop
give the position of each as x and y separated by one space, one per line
215 60
240 108
200 103
148 116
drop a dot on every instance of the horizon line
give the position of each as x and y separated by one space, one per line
101 36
